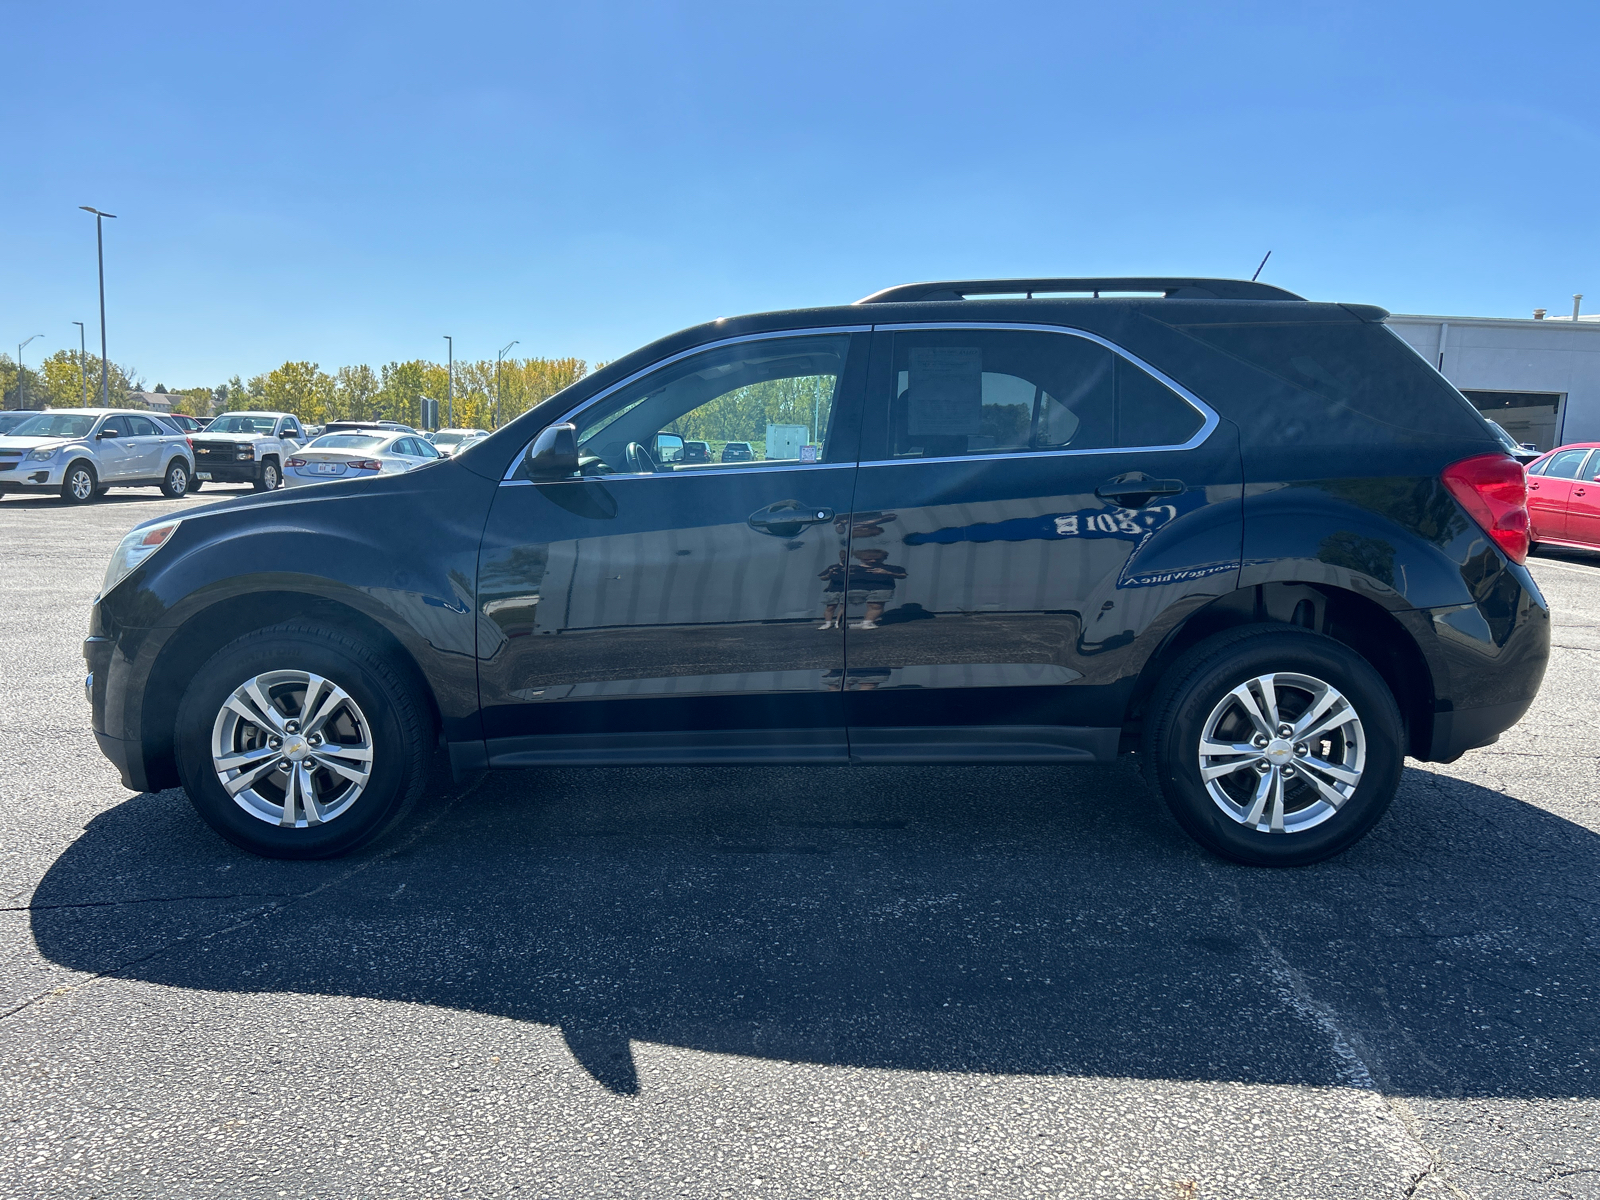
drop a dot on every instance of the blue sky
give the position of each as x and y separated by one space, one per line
347 183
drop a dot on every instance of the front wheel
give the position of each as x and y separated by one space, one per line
269 478
299 742
1275 746
79 485
176 484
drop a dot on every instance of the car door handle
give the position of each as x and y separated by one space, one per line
1135 489
785 518
1577 491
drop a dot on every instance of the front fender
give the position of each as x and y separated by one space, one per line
403 557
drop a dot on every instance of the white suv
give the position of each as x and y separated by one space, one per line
80 453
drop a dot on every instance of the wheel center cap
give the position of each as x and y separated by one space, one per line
295 749
1279 751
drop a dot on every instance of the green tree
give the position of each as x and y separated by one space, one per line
298 388
60 385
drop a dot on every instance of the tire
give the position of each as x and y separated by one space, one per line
196 484
80 485
381 738
175 484
1242 813
269 479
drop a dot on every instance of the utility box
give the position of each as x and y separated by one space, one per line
784 441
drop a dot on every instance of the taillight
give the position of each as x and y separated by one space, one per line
365 464
1493 488
295 462
190 440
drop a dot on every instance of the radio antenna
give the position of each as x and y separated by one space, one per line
1264 258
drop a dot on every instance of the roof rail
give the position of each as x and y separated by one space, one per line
1172 289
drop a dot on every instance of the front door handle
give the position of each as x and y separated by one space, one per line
1136 489
786 518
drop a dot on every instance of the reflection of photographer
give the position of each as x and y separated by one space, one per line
833 581
871 581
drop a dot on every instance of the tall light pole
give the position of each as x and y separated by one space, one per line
450 384
497 359
100 253
22 380
83 375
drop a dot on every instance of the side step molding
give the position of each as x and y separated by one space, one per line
980 744
985 744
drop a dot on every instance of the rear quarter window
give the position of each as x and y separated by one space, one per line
1357 381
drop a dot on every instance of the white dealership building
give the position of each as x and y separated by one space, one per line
1539 378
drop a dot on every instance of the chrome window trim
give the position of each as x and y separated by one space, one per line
1207 426
713 474
1210 420
667 362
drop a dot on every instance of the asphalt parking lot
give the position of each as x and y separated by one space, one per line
797 982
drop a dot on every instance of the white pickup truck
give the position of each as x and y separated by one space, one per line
246 447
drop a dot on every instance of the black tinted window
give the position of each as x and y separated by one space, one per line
1348 382
142 427
117 426
973 391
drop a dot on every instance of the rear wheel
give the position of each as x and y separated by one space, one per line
1275 746
176 483
295 742
79 485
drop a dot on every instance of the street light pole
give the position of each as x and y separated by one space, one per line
497 359
83 375
100 253
22 379
450 384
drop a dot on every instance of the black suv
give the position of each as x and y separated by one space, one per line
1255 539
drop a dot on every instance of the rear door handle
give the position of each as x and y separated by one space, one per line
1135 489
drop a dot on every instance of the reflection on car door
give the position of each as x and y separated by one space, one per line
1017 530
669 611
1583 507
1549 492
114 454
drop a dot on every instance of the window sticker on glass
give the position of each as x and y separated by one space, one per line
946 390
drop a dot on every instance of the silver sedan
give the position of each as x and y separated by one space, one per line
357 456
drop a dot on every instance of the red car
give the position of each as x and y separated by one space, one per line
1564 496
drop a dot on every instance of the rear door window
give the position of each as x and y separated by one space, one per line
959 392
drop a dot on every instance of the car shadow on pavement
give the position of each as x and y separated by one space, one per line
1003 920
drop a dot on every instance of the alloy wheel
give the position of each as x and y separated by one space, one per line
81 483
292 748
1281 753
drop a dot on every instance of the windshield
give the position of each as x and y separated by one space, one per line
449 437
54 425
347 441
236 423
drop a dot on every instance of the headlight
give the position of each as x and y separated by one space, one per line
43 455
135 548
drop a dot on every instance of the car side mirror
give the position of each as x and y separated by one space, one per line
669 448
106 433
554 453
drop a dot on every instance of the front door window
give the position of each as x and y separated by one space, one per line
771 402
